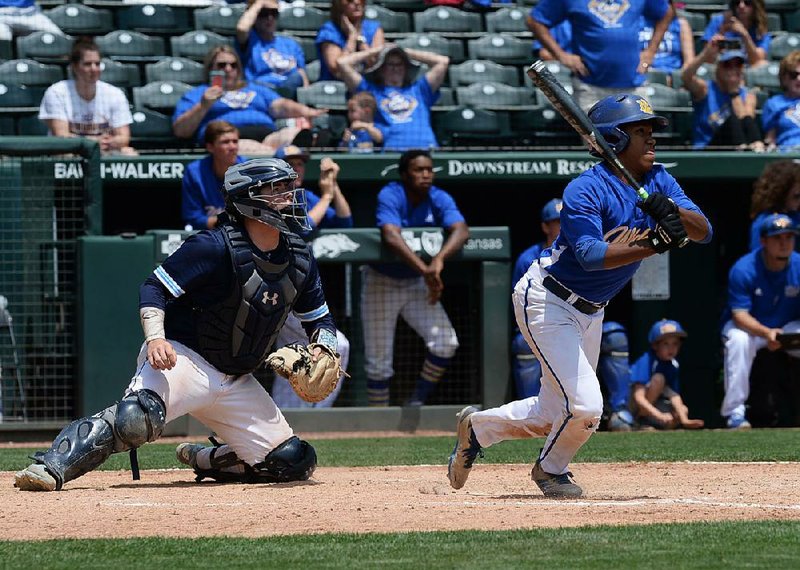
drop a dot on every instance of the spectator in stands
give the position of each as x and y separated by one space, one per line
777 190
275 61
345 33
404 103
411 287
607 59
87 107
562 34
745 21
656 395
724 109
362 135
250 107
781 113
676 48
23 17
329 209
201 195
763 296
526 369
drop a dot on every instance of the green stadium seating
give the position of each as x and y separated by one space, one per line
446 99
313 69
195 45
302 20
160 96
44 47
219 19
697 21
324 95
19 99
467 126
30 72
30 125
402 5
123 75
475 70
661 96
392 22
509 20
156 19
765 77
500 48
783 45
791 21
559 70
774 23
131 46
452 48
78 20
780 5
446 19
7 127
6 49
542 127
176 69
151 130
491 95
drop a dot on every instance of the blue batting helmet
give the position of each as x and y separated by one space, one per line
615 110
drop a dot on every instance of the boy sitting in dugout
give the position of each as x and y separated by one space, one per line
656 400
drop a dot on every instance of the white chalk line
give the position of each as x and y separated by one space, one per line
600 503
162 505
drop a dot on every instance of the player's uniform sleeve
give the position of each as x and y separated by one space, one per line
312 309
581 223
740 287
671 188
389 208
451 215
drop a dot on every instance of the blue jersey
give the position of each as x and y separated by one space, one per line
361 142
648 364
404 114
755 227
771 297
711 112
524 261
600 209
246 106
330 219
17 3
201 192
562 34
438 210
715 23
271 61
783 114
330 33
669 55
603 35
199 274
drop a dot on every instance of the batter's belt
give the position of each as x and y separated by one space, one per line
584 306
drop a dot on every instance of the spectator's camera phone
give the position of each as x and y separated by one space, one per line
216 78
729 44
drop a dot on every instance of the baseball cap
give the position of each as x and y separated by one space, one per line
775 224
663 328
552 210
291 151
732 54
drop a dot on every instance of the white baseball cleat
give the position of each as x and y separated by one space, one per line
466 450
34 478
187 453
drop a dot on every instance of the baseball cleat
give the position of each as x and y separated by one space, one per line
34 478
187 453
556 486
738 422
466 450
620 421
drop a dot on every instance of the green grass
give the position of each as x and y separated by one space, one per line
704 445
701 545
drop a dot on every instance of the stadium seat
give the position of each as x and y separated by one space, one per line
783 45
44 47
500 48
160 96
402 5
195 45
302 20
452 48
176 69
658 76
219 19
324 95
697 21
542 127
155 19
152 130
308 46
774 23
446 98
30 125
509 20
791 21
78 20
313 70
490 95
391 22
705 71
447 19
7 128
475 70
559 70
19 99
6 49
780 5
123 75
765 77
661 96
467 126
30 72
131 46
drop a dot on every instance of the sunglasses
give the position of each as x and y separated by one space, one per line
792 75
735 3
225 64
268 14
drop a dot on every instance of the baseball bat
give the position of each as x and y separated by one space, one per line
574 115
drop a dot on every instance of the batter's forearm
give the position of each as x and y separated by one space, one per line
618 254
695 224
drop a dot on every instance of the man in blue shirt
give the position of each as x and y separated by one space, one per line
763 295
202 198
606 231
411 288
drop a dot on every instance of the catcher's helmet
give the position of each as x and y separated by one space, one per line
615 110
264 189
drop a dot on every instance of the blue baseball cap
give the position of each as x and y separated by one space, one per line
552 210
663 328
775 224
291 151
732 54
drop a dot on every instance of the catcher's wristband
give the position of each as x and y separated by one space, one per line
152 323
327 338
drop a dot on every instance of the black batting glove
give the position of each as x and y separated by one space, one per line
668 234
658 206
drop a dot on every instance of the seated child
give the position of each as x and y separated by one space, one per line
362 135
656 400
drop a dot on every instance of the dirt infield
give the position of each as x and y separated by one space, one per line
388 499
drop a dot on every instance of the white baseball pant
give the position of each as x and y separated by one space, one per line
237 408
568 408
740 351
282 392
23 21
383 298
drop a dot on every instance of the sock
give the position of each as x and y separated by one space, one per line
378 392
433 369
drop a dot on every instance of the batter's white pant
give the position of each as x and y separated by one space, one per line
740 351
24 21
568 408
383 298
282 392
587 95
237 408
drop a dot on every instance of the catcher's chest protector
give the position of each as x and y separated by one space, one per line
236 335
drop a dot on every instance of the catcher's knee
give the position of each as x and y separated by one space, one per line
293 460
138 418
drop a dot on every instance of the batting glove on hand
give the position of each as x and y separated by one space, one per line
658 206
669 234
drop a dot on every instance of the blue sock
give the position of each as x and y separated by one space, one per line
433 370
378 392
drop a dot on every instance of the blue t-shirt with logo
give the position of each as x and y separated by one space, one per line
330 33
711 112
437 210
271 61
603 35
201 192
246 106
715 23
562 34
669 55
771 297
648 364
782 113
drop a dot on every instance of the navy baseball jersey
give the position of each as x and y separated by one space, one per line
600 209
648 364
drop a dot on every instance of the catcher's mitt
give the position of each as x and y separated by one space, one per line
312 380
